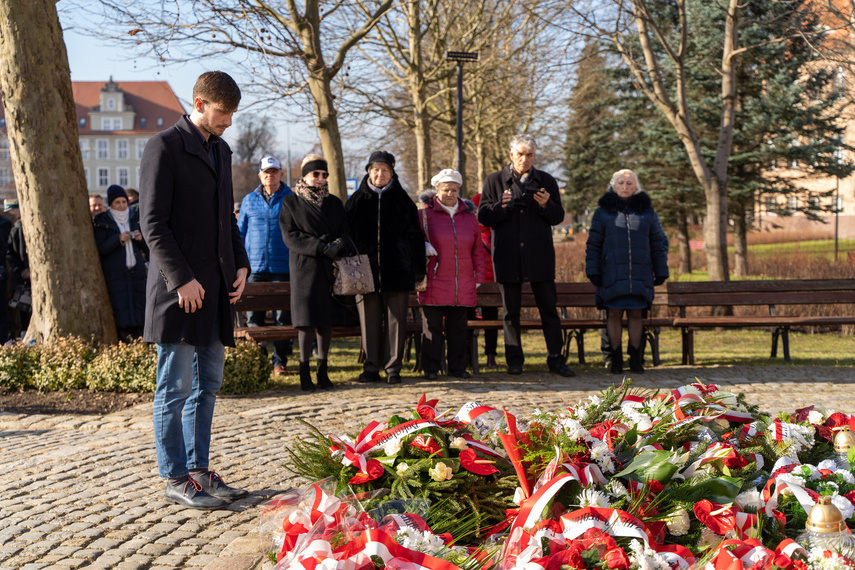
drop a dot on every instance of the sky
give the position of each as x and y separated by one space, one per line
95 59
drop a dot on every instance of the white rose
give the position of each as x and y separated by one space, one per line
678 523
815 417
750 498
402 468
392 447
843 504
458 443
440 472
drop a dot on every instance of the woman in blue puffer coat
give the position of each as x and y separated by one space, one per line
625 258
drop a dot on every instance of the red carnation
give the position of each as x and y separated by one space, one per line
617 559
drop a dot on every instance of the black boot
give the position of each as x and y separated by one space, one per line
306 377
616 361
324 380
635 360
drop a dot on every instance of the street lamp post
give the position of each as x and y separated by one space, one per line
460 57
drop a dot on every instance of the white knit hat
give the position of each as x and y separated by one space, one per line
446 175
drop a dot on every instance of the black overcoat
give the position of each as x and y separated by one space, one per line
386 228
305 228
125 286
187 220
522 235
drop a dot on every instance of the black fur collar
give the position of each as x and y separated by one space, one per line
613 203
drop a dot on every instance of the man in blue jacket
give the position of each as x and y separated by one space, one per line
258 223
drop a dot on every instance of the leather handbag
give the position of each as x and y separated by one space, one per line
353 275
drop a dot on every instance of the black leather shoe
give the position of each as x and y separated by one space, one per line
431 375
393 379
515 370
562 370
191 494
214 485
460 374
366 377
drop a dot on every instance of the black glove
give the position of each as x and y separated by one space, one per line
597 280
332 250
659 281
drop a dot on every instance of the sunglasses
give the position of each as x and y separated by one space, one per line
320 174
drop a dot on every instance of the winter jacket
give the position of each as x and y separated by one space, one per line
626 248
305 228
258 223
487 240
126 287
385 227
459 263
522 234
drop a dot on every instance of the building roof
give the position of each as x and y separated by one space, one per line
150 100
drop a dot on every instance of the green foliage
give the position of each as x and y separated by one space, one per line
62 364
18 363
124 368
247 369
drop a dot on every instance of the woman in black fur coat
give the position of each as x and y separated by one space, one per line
626 257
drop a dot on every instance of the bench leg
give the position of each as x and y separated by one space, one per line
775 334
652 334
568 337
580 345
785 338
473 352
688 346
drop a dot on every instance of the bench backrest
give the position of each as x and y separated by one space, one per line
761 292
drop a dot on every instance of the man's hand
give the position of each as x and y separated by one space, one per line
541 197
190 296
239 284
507 196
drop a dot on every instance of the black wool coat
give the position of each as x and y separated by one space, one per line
125 286
187 220
386 228
522 235
626 248
306 229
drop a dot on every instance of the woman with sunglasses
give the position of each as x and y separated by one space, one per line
314 227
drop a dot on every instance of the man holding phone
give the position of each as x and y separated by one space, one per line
521 204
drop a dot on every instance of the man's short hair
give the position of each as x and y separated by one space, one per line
99 196
218 87
132 194
525 141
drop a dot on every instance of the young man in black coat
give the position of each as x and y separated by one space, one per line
521 204
198 268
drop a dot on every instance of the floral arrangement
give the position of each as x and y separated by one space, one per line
626 479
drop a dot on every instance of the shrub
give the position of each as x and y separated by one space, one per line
62 364
124 368
247 369
18 363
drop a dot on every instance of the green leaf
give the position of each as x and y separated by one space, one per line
649 465
721 490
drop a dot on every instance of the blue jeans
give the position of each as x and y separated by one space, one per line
188 378
282 349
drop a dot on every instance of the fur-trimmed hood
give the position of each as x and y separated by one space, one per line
428 195
613 203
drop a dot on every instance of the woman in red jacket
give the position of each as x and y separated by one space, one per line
455 266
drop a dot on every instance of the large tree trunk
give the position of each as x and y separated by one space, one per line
418 93
326 118
69 293
684 250
740 241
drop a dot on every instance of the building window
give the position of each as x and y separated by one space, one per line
82 122
103 153
771 203
103 177
4 149
4 176
122 148
124 175
140 147
142 122
86 173
84 149
105 124
839 204
839 79
117 124
160 121
3 123
111 104
792 203
813 203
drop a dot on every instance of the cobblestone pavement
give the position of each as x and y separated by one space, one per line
83 491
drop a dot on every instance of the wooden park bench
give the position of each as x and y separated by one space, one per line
770 295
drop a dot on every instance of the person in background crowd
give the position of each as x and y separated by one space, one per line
19 268
384 224
258 223
133 201
121 247
5 229
197 271
96 205
521 204
314 226
625 258
455 266
237 210
491 336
